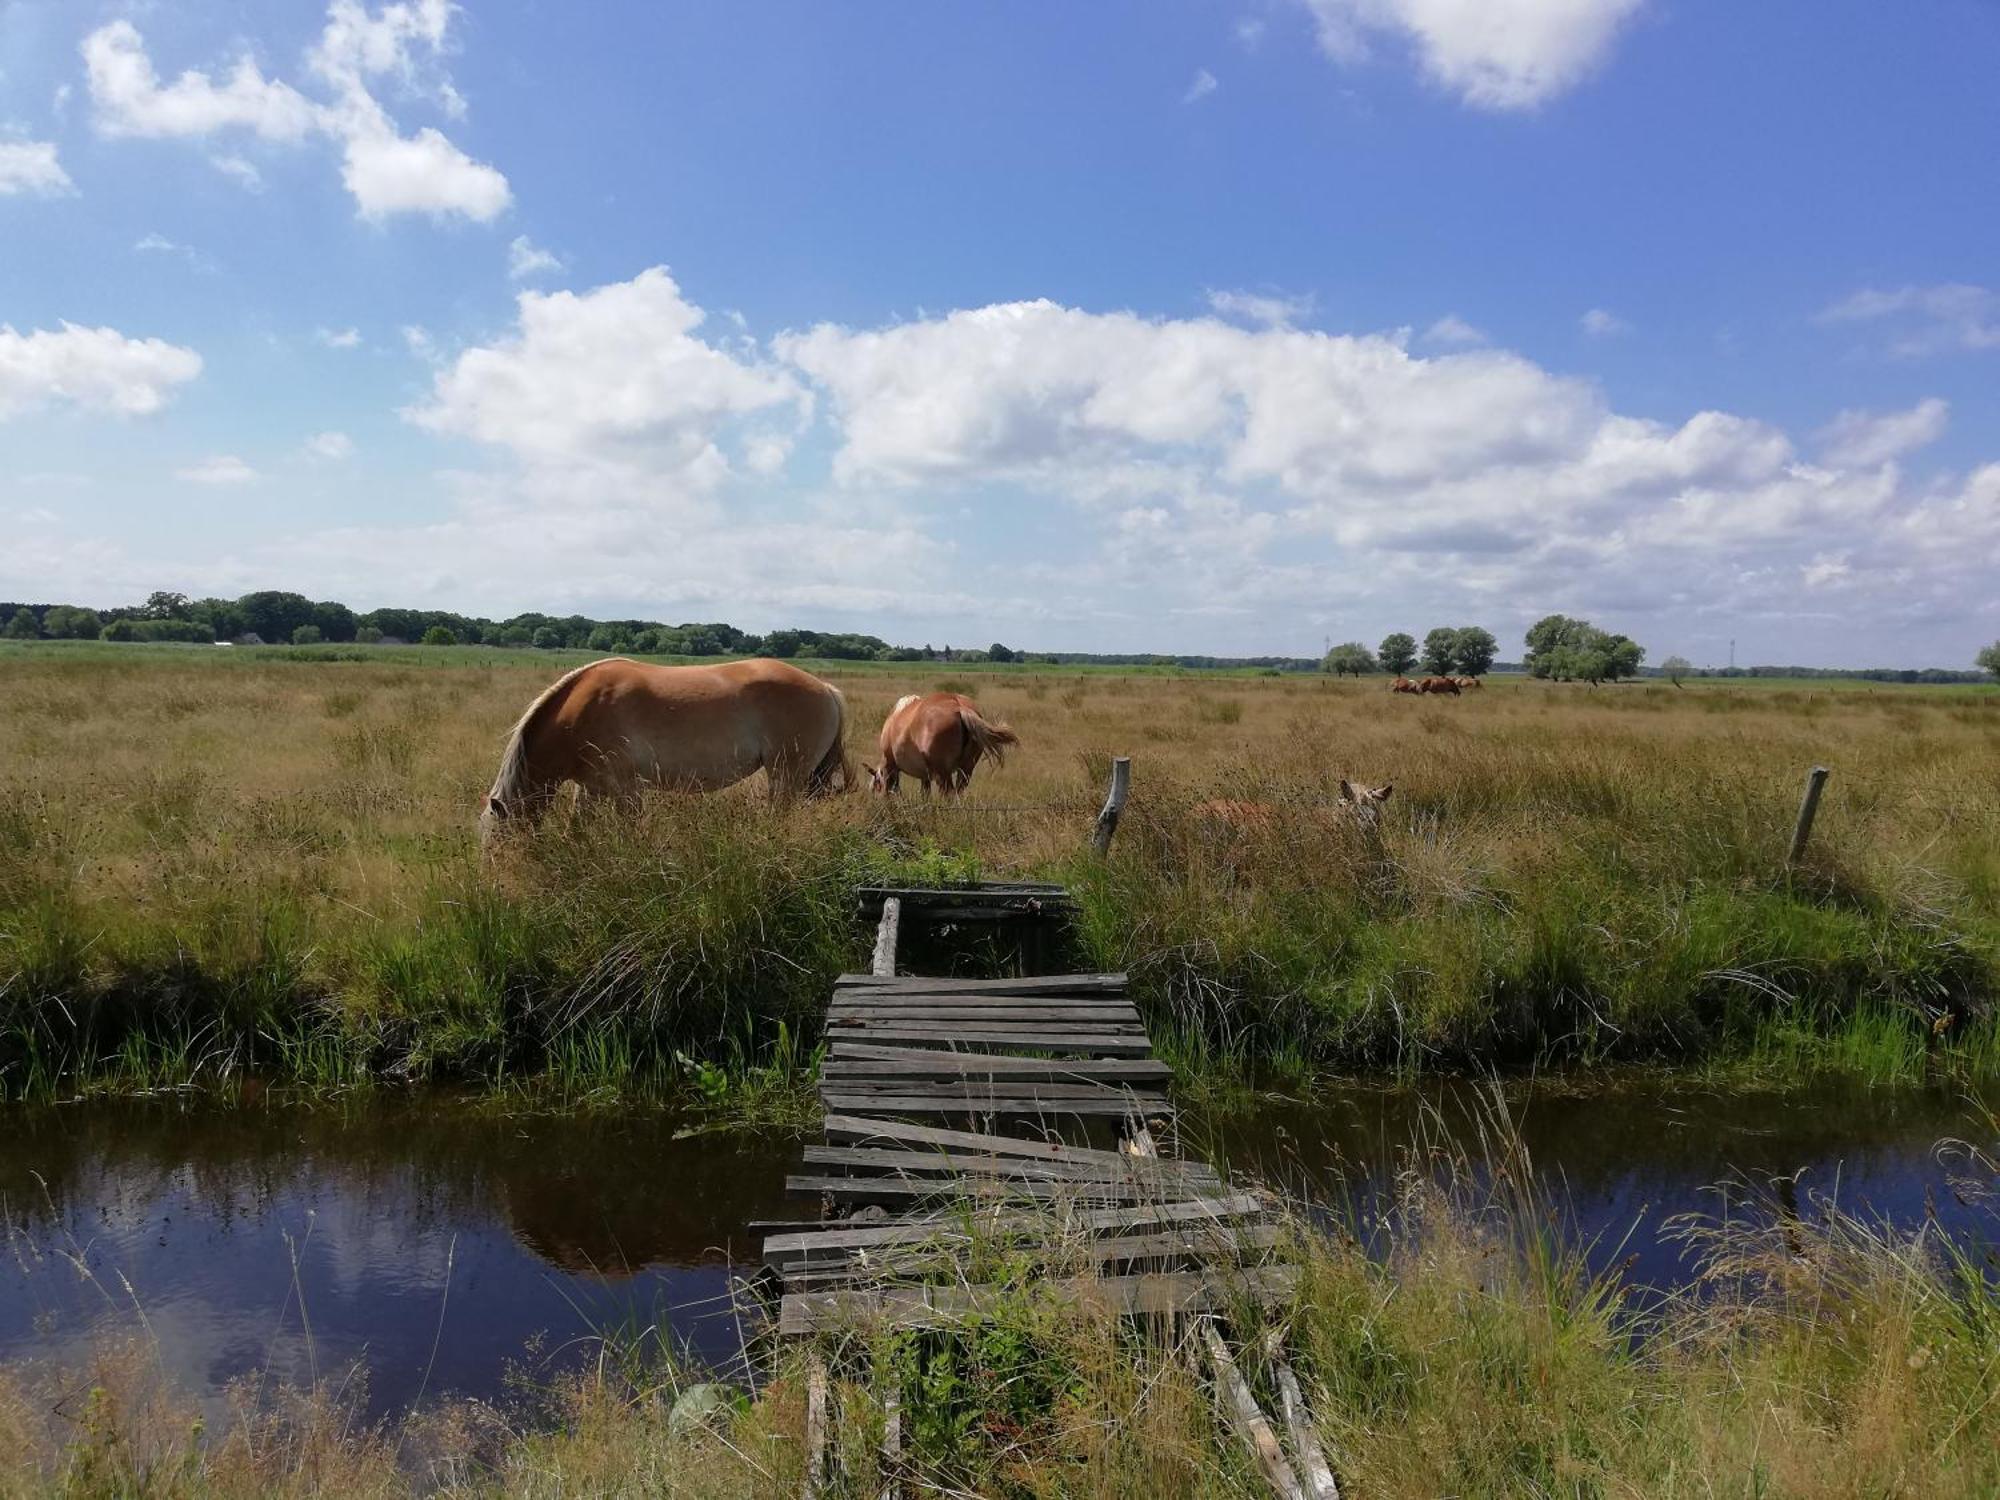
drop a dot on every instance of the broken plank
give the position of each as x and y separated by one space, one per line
922 1189
959 1227
1207 1244
1140 1296
879 1159
949 1005
850 1128
979 1104
959 1086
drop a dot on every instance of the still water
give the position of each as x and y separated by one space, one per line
443 1246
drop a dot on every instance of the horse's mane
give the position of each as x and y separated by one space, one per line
514 759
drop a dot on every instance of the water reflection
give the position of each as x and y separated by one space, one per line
294 1243
297 1243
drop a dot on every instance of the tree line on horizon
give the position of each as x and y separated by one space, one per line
1558 647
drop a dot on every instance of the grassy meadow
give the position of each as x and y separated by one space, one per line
223 863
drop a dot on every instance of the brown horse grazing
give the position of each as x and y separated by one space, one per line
1438 685
615 726
1404 685
937 737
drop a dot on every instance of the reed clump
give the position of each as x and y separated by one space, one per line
247 862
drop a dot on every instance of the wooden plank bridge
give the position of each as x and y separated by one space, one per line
1032 1068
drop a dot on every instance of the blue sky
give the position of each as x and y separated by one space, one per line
1202 327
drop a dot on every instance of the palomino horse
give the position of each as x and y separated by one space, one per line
1438 685
937 737
615 726
1468 682
1404 685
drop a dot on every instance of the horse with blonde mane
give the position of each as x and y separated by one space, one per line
617 726
1438 685
1360 806
937 737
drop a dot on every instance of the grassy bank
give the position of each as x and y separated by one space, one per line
221 863
1460 1346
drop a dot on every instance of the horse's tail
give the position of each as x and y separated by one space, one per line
510 787
989 737
836 758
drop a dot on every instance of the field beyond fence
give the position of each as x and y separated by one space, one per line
222 864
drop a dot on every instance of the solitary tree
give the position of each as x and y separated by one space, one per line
1475 650
440 635
1349 658
1990 658
1440 651
998 652
1397 653
1676 667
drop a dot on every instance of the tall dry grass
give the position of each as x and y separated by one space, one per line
213 862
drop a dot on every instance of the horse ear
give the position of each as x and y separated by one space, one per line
1346 791
1387 788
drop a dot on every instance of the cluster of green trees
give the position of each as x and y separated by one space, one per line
1569 650
275 616
1461 650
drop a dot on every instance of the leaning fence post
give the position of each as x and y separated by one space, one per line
1808 806
1107 820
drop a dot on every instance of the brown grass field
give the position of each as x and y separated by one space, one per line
216 861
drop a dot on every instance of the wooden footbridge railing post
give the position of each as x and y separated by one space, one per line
886 933
1114 805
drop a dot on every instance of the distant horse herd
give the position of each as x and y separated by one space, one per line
616 727
1452 685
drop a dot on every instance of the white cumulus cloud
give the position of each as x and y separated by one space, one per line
386 171
339 338
1453 332
1493 54
1269 309
31 167
222 468
1862 439
96 369
1201 87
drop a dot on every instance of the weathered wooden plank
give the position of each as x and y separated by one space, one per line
1115 1012
885 937
941 984
982 1104
922 1189
920 1063
1240 1410
1134 1296
1207 1245
1171 1175
1314 1470
960 1228
1051 1039
1033 895
851 1128
976 1089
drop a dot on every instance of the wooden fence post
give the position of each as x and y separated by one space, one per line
1107 820
886 933
1808 806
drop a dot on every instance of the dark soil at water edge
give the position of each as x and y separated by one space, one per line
268 870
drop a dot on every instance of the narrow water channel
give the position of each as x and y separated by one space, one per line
445 1247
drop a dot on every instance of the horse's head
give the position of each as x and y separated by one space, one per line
878 779
1365 802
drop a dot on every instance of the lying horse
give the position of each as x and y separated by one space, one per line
937 737
1438 685
615 726
1404 685
1360 806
